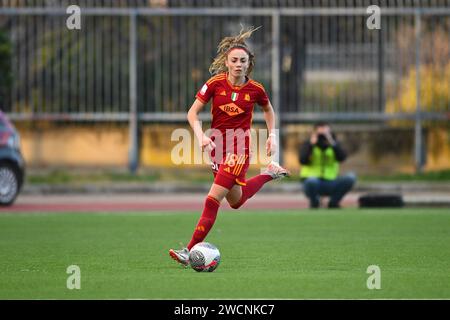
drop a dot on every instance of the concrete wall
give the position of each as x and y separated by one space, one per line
370 149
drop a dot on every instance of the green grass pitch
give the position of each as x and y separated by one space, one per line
275 255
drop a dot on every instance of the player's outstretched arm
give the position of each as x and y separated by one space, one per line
204 141
269 116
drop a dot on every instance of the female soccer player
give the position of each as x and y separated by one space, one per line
233 96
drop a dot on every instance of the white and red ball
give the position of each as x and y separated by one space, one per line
204 257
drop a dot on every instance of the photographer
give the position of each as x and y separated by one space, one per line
320 157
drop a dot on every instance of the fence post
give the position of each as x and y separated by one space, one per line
133 156
276 79
381 91
418 140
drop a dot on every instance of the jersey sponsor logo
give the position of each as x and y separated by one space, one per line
231 109
204 88
247 97
234 96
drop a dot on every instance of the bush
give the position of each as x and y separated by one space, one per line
434 90
434 71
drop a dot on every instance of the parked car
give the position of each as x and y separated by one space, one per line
12 164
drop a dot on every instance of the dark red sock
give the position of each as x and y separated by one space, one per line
252 186
205 222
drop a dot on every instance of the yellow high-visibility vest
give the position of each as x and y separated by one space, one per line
323 164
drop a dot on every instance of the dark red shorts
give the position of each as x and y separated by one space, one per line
232 170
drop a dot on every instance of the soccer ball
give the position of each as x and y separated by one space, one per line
204 257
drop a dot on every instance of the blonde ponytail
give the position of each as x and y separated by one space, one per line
228 43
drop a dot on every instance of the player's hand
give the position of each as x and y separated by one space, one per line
271 146
207 144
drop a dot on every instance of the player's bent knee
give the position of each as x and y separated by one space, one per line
236 205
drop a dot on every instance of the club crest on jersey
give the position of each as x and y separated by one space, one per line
247 97
234 96
231 109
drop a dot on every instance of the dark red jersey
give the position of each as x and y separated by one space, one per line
232 107
232 112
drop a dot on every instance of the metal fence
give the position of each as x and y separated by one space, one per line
146 64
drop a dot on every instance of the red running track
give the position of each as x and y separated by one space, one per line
113 203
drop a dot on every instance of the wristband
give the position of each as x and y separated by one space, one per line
272 135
